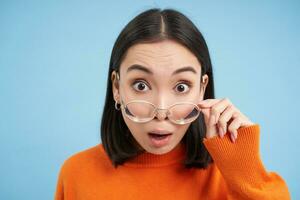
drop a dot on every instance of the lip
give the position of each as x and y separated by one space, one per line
161 132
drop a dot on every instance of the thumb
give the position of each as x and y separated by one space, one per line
211 127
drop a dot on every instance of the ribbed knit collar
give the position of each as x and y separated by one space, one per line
146 159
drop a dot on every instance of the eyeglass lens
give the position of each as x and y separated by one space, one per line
142 111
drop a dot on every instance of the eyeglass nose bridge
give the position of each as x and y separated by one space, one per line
156 112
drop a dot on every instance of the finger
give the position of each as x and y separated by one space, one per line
211 131
212 119
221 131
208 103
219 108
206 112
224 118
232 128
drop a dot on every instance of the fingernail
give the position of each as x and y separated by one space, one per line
221 132
224 130
232 138
235 135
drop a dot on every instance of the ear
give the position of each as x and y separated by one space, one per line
115 85
204 82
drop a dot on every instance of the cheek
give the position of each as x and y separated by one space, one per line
181 130
134 128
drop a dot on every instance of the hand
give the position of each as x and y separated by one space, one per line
220 115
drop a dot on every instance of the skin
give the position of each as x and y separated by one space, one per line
163 89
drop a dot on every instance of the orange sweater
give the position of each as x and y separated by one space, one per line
237 173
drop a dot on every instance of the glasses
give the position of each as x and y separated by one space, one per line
141 111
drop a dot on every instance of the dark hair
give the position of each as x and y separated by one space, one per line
155 25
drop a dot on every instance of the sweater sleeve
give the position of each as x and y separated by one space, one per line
59 193
242 169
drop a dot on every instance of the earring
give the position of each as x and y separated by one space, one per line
116 106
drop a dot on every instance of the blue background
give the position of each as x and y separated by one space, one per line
54 58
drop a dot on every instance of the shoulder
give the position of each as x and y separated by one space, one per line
87 159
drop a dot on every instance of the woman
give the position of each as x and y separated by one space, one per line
164 136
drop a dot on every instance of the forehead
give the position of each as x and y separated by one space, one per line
160 57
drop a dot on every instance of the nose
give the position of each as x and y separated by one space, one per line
161 114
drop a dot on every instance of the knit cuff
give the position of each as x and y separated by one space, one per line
240 161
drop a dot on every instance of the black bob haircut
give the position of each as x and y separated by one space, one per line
155 25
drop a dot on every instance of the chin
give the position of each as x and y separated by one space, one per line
160 151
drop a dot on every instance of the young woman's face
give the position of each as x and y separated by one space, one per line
159 86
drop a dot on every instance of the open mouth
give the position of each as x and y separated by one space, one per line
159 136
159 140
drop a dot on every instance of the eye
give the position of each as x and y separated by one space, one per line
140 85
183 87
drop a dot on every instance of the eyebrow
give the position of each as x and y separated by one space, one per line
146 70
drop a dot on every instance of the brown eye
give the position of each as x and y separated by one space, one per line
182 87
139 86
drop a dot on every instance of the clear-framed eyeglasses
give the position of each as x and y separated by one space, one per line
141 111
